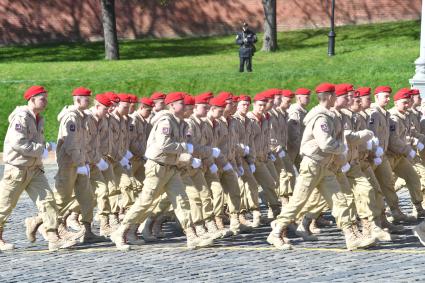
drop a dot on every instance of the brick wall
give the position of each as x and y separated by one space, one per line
31 21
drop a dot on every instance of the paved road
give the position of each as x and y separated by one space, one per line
244 258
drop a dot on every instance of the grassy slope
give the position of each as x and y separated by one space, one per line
366 55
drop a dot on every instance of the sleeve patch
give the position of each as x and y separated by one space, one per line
371 121
392 128
324 127
72 127
166 131
18 127
131 128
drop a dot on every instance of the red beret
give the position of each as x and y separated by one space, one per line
287 93
349 87
158 95
208 94
81 91
364 91
202 99
414 92
383 89
235 98
225 95
402 94
103 99
244 97
112 96
146 101
124 97
133 98
325 87
33 91
189 100
270 93
303 91
341 90
174 96
260 97
218 101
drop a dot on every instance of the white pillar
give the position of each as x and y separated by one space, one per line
418 80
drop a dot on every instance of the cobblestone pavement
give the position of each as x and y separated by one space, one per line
244 258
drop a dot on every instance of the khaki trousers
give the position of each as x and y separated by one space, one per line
312 175
71 186
160 179
34 182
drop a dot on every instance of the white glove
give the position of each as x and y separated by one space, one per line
216 152
377 161
412 154
102 165
375 141
241 171
369 144
246 150
45 154
51 146
420 146
345 168
227 167
272 157
128 155
83 170
282 154
196 163
213 168
124 162
379 151
252 168
189 148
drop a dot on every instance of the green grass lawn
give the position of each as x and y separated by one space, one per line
367 55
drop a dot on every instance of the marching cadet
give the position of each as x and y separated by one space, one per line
158 102
260 137
379 124
364 196
296 114
249 185
120 157
401 152
133 104
279 129
200 196
24 148
72 178
227 173
166 149
97 124
319 148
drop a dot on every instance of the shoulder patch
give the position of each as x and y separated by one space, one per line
392 127
371 121
131 128
18 127
324 127
166 130
72 127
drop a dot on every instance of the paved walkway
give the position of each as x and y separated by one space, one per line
243 258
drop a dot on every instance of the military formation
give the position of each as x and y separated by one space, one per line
209 162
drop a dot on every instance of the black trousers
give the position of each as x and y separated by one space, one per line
245 61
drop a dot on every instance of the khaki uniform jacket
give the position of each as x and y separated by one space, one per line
260 136
278 130
105 136
360 122
201 149
211 138
323 139
118 129
354 135
245 138
415 127
94 153
139 130
296 115
166 143
379 124
24 143
72 137
399 141
226 140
